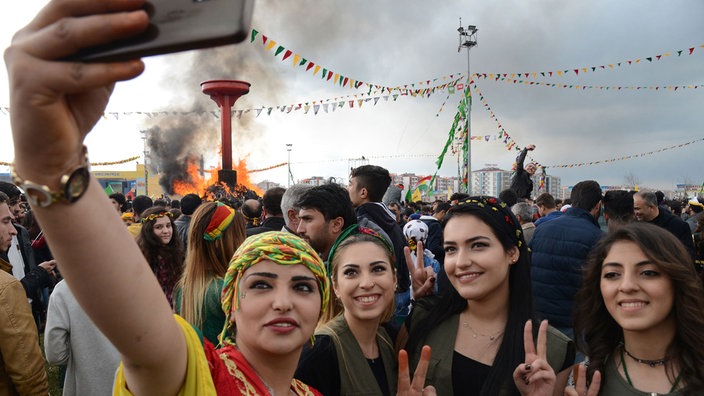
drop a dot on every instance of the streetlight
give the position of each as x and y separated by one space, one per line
468 39
289 146
146 173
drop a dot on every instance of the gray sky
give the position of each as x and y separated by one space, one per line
402 42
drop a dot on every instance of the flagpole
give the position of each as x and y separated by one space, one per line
468 39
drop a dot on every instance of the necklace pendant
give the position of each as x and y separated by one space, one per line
492 338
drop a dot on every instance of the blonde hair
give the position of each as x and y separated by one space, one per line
206 260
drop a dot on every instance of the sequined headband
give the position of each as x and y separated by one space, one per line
497 209
155 216
355 229
219 222
280 247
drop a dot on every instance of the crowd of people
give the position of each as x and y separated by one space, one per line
321 290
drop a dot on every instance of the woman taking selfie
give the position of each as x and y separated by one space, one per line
639 313
352 353
216 231
273 292
160 245
476 330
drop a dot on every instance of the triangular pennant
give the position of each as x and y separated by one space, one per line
254 35
287 54
278 50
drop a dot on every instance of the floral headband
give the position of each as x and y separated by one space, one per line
497 209
155 216
219 222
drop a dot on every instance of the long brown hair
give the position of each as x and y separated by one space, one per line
598 334
206 260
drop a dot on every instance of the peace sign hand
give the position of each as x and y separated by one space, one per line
580 388
415 388
422 278
535 377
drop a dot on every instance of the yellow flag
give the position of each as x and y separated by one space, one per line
416 196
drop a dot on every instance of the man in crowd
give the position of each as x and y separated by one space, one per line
252 211
559 252
289 208
695 211
189 204
521 182
326 211
547 208
140 203
21 361
271 211
645 205
524 214
618 209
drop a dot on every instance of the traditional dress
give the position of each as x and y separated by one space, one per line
216 372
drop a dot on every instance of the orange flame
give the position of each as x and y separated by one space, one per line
198 184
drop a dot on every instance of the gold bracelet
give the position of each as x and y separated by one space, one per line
72 186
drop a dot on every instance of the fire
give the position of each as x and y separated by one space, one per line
243 177
198 184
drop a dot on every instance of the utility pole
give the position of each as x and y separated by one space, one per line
468 40
146 172
289 147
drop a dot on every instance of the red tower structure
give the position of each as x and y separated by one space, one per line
225 93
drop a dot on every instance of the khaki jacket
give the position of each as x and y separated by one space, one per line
21 361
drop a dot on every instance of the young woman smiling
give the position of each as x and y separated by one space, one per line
640 317
161 248
475 330
352 353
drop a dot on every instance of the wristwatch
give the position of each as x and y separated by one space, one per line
73 185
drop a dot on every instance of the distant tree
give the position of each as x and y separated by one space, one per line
632 180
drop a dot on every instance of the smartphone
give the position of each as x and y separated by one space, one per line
179 25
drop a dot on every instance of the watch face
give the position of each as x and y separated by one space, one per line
77 184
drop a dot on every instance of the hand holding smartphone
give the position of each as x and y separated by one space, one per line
179 25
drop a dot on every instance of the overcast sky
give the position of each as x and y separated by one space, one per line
394 43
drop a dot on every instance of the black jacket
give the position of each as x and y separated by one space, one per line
269 224
521 182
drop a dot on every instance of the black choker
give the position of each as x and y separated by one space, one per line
651 363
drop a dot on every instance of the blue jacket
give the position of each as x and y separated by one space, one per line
559 251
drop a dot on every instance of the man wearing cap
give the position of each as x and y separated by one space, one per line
695 210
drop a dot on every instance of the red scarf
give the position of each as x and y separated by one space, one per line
232 375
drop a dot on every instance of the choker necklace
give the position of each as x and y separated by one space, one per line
491 337
651 363
656 363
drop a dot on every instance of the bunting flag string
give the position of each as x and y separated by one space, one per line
136 157
268 167
583 70
626 157
327 105
612 88
511 144
334 77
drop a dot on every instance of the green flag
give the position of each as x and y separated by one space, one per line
108 190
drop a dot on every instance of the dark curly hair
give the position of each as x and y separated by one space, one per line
154 250
598 334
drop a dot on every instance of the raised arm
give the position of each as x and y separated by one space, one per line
54 106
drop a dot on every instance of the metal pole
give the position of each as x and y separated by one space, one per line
290 176
146 172
469 128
